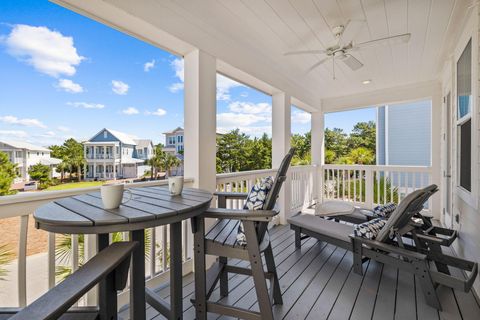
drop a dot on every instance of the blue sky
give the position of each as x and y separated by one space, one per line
64 75
347 119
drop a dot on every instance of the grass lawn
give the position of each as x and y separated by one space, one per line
73 185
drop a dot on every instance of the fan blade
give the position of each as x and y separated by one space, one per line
291 53
387 40
352 62
319 63
352 29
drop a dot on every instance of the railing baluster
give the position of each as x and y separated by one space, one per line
153 258
51 260
22 261
164 248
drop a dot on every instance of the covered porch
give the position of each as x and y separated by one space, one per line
246 41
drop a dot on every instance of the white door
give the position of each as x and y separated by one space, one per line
447 168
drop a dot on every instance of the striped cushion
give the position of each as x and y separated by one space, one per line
369 229
384 210
255 201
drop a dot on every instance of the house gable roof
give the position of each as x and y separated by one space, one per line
25 145
120 136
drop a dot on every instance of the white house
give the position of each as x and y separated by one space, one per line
112 154
26 155
174 141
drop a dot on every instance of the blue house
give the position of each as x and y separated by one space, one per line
113 155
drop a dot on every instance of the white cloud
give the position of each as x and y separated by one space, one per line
48 51
130 111
63 129
235 120
224 85
68 85
86 105
149 65
178 67
301 117
120 87
13 134
175 87
249 107
48 134
22 122
159 112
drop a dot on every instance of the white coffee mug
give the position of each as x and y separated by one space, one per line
175 185
112 195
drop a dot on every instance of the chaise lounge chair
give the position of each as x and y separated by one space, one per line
388 246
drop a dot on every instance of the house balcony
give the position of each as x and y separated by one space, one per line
317 280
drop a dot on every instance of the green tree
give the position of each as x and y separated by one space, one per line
336 141
41 173
231 151
74 156
330 156
60 152
361 155
6 256
155 161
363 135
302 145
169 161
8 173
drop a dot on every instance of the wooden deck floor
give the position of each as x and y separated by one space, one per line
318 283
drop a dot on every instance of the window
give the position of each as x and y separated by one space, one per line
18 154
105 134
180 139
464 118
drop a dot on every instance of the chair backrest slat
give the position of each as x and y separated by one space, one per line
272 196
407 208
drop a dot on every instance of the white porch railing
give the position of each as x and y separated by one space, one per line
22 207
369 185
363 185
303 180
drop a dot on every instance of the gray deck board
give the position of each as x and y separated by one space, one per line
317 282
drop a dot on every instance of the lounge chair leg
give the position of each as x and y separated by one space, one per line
200 273
427 285
357 257
298 238
223 277
257 271
275 284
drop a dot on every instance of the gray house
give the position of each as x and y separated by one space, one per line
404 134
114 155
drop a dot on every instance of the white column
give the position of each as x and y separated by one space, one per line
281 133
104 170
318 151
200 119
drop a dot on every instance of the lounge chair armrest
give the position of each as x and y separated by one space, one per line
231 195
451 236
252 215
389 248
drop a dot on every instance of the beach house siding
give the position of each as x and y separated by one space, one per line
404 134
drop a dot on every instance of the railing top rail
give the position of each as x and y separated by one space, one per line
245 173
378 167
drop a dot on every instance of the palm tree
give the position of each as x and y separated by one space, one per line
6 256
169 161
156 161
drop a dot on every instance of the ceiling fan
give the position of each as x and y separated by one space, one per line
344 45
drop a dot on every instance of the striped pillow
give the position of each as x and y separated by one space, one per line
384 210
369 229
255 201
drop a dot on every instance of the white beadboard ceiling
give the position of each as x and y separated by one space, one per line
263 30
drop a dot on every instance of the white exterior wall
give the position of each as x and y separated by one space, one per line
466 206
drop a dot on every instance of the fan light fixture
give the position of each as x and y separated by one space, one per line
368 81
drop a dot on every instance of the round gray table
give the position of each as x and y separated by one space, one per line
150 207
